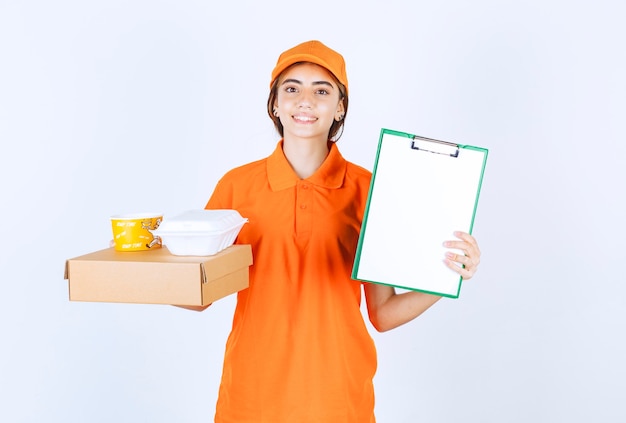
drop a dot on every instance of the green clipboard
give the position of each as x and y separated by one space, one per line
421 191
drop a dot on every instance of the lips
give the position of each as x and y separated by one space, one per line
304 119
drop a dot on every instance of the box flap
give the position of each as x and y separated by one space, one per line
225 262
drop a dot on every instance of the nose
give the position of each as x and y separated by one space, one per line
305 100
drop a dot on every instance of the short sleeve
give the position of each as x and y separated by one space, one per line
221 197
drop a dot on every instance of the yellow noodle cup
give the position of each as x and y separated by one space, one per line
132 232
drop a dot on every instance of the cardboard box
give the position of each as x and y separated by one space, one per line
157 277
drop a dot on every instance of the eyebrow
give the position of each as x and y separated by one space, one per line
296 81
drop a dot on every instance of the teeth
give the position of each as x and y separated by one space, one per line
304 118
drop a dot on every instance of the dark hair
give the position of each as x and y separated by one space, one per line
336 129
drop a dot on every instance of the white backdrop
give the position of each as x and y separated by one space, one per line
119 106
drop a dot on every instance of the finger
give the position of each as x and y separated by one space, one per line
468 244
466 247
466 272
464 236
467 238
463 260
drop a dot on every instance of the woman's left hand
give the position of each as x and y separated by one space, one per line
464 264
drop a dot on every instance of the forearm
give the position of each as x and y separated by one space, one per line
402 308
388 310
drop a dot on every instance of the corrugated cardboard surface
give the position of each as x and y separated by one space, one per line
157 277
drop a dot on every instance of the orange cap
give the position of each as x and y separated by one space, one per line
313 52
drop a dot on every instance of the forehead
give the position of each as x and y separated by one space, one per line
307 70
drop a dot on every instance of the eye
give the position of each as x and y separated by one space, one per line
291 89
322 91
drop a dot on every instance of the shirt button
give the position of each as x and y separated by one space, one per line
305 187
303 206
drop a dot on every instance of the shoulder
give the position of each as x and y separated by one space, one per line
244 177
352 169
237 183
357 170
357 174
245 172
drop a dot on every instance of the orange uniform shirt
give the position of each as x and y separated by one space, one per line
299 350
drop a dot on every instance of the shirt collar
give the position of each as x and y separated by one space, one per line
329 175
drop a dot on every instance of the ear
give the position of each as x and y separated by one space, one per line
341 111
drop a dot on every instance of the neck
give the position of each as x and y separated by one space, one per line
304 155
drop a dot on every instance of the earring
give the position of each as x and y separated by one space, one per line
340 118
275 112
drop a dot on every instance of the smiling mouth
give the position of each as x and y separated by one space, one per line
304 119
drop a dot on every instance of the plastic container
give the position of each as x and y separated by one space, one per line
200 232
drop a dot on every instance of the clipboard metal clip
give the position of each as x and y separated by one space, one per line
435 146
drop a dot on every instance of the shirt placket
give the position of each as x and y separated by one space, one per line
304 208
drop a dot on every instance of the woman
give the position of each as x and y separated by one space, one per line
299 350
